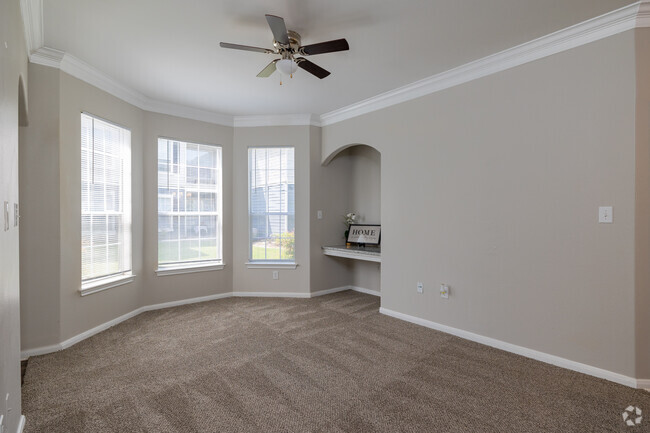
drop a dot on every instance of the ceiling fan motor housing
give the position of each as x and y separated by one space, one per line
294 43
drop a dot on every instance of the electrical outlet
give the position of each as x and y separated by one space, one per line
276 275
319 214
444 291
420 287
605 214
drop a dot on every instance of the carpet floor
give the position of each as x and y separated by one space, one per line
327 364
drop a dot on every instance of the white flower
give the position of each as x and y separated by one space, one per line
350 218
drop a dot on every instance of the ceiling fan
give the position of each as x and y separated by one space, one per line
287 45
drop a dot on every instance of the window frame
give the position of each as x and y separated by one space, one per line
180 267
125 276
269 263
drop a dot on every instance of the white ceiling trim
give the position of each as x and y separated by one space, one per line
636 15
609 24
32 12
84 72
277 120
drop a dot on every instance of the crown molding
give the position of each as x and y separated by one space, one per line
609 24
47 57
277 120
643 16
91 75
636 15
32 12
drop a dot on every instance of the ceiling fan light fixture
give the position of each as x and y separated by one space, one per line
287 66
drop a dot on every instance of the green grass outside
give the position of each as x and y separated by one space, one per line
272 253
189 250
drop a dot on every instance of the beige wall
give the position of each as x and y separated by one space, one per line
365 183
260 280
79 314
329 193
40 239
176 287
13 67
642 300
493 187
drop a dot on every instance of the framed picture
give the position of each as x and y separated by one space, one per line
369 234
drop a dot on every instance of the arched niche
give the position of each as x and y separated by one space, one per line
340 149
22 103
360 167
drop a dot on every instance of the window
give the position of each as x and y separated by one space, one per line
271 207
105 201
189 204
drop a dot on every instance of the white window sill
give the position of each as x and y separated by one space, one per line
188 269
106 283
271 265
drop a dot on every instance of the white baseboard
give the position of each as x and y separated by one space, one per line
21 424
519 350
366 291
329 291
185 302
272 294
643 384
104 326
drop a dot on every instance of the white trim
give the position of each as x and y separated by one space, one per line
32 13
188 269
21 424
519 350
106 283
352 254
47 57
186 302
104 326
276 120
364 290
271 294
271 265
329 291
636 15
609 24
91 75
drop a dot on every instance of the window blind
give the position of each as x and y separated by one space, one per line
271 203
189 203
105 199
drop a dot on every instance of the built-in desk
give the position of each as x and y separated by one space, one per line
368 253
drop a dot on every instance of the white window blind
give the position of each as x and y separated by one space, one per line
105 199
189 203
271 204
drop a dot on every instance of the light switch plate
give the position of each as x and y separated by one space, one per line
319 214
605 214
6 215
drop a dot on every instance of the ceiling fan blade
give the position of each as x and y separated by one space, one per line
278 28
270 68
246 48
312 68
325 47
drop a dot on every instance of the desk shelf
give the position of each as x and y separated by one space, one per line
369 253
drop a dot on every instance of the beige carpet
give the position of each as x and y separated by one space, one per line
328 364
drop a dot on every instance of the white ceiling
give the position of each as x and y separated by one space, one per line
169 50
